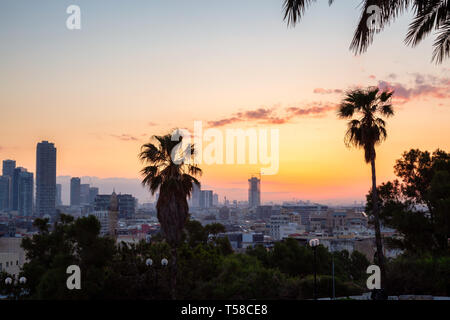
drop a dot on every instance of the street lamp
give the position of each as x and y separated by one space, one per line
149 263
314 243
16 284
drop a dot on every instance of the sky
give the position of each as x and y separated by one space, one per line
140 68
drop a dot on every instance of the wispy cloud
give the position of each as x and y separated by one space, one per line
327 91
318 111
125 137
423 86
276 115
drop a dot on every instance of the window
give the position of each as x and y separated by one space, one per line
17 262
1 266
7 264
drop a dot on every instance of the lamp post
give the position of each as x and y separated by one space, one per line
149 263
332 271
16 285
313 244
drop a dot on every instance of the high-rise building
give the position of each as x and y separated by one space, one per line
26 188
23 185
58 194
254 192
45 179
93 192
215 199
84 193
8 168
15 188
195 196
75 191
206 199
8 171
5 190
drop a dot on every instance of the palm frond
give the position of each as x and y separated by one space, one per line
430 15
345 110
294 10
442 43
389 11
387 110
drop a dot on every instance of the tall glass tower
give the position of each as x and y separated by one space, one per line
45 179
8 168
75 191
7 193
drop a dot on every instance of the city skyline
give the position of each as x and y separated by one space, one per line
216 69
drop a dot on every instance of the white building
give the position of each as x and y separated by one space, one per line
10 263
276 221
290 228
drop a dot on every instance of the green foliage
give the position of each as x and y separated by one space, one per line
425 181
69 243
325 287
425 275
206 268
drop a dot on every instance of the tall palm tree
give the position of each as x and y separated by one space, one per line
175 181
429 15
366 129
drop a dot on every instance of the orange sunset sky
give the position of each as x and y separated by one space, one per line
139 68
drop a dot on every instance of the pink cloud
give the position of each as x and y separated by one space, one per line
125 137
271 116
423 87
326 91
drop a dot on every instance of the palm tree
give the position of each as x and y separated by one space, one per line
429 15
175 181
365 130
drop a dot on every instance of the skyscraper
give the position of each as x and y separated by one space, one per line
26 188
58 194
8 171
254 192
93 192
23 185
75 191
206 199
5 187
195 196
84 193
8 168
45 179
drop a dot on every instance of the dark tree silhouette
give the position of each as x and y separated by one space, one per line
175 180
429 16
365 131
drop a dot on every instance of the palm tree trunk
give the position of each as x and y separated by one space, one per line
378 239
173 275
